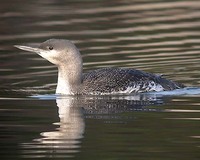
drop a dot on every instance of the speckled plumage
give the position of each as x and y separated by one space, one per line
119 80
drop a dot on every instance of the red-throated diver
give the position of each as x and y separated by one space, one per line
71 79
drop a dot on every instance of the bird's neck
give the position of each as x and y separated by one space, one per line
69 79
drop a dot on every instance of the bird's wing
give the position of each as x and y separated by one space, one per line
118 80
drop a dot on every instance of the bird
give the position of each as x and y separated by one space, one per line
105 81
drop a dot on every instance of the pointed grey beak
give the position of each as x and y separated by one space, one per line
30 49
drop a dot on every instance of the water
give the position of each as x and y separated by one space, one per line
151 35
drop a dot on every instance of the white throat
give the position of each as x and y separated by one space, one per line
69 79
63 86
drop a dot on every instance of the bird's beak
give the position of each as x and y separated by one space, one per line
30 49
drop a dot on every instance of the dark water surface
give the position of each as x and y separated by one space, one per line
152 35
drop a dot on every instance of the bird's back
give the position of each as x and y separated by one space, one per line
124 81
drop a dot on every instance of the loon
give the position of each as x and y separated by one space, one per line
72 81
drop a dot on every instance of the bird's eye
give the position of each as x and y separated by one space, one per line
50 48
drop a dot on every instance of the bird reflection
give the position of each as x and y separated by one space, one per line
71 126
66 139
